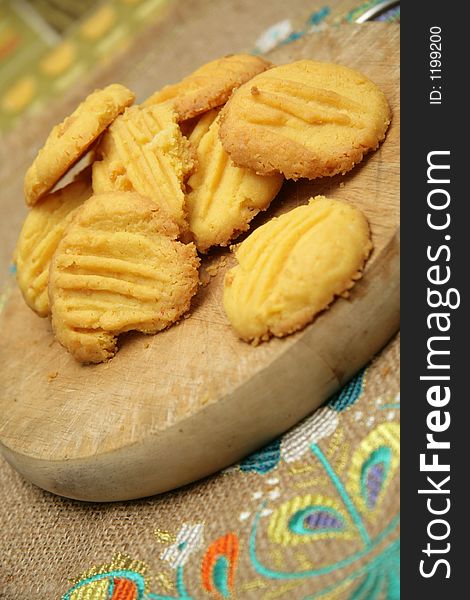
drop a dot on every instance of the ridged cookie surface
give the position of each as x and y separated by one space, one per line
41 233
118 268
223 199
304 119
145 151
210 85
292 267
69 140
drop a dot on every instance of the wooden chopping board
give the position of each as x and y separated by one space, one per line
180 405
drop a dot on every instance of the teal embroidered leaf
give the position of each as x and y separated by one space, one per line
264 460
317 17
220 576
348 394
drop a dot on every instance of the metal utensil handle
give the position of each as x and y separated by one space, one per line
376 10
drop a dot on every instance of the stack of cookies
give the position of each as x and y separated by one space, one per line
117 249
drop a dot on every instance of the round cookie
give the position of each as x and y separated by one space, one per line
144 151
304 119
292 268
118 268
69 140
41 233
222 198
210 85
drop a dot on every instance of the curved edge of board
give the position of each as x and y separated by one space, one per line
295 383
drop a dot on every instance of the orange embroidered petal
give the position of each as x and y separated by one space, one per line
124 590
219 564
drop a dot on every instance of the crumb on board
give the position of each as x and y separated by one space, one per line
52 375
341 185
212 270
204 277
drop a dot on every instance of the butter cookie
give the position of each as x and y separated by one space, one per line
69 140
41 233
118 268
304 119
292 268
144 151
222 198
209 86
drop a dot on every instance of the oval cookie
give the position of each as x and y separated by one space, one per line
210 85
304 119
144 151
292 267
41 233
118 268
69 140
223 199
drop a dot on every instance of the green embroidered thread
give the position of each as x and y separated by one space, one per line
370 588
394 406
388 553
181 588
136 578
343 493
220 576
348 394
267 572
263 460
393 580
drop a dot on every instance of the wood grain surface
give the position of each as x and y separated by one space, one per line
174 407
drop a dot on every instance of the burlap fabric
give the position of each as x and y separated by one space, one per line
312 515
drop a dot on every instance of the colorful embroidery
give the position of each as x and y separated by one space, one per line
264 460
349 393
297 441
373 475
343 515
318 17
384 568
303 518
373 466
121 579
273 36
219 564
283 32
188 540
